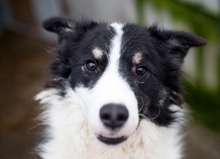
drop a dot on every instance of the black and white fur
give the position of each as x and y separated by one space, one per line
120 66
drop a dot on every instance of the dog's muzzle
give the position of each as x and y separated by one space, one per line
113 117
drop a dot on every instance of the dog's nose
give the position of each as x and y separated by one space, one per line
113 116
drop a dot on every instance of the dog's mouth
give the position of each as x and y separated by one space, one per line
112 140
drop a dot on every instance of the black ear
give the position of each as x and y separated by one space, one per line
67 28
177 43
59 25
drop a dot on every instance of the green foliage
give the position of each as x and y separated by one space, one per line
195 16
204 102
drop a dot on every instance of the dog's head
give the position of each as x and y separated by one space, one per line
123 73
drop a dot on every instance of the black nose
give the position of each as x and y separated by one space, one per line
113 116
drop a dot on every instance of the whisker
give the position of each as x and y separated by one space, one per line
142 115
157 114
152 118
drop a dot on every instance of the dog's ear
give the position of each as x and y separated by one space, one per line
64 27
177 43
59 25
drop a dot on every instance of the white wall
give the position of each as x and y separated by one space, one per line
103 10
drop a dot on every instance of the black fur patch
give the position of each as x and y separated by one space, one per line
162 55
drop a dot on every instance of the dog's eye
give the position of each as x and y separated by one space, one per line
141 70
91 65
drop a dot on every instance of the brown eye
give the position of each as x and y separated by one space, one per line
91 65
141 70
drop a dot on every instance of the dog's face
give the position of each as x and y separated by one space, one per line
122 73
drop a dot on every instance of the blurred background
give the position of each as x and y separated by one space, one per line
24 64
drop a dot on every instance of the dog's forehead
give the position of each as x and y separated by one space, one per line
130 39
128 32
130 42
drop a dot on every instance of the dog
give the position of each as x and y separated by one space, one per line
115 91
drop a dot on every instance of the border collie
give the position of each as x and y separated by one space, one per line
115 91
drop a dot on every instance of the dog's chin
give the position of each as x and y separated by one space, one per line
111 140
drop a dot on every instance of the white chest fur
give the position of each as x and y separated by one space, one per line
71 138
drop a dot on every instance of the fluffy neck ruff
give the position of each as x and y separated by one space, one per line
69 136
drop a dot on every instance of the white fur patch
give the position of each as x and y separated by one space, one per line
71 137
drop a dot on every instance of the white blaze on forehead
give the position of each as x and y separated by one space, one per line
116 43
97 53
111 82
137 58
